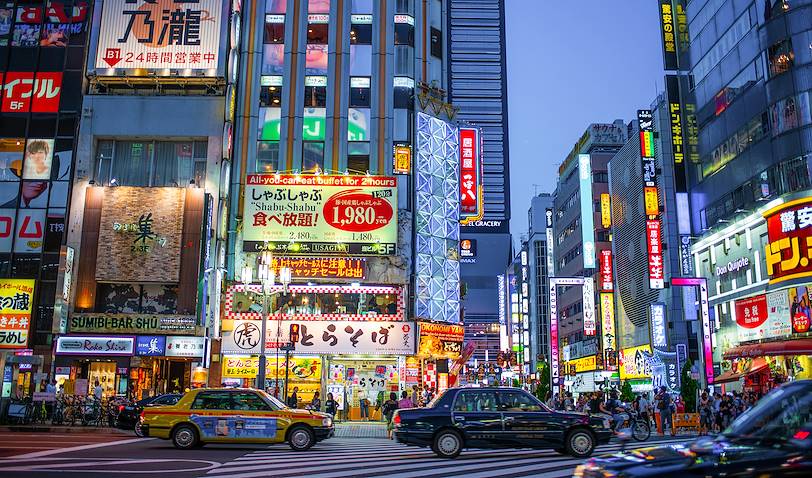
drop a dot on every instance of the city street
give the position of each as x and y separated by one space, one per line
336 458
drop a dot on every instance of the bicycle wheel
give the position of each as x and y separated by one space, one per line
641 431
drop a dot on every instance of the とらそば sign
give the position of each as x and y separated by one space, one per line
440 340
297 214
788 254
16 304
160 35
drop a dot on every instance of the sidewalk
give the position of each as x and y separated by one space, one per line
360 430
45 428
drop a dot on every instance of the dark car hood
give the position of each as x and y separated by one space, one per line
677 459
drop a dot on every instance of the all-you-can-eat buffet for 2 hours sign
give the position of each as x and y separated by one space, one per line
296 214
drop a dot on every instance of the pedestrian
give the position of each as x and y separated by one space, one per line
569 405
594 404
293 399
315 405
363 403
415 395
51 387
643 408
97 391
717 416
549 401
405 401
666 408
330 405
389 408
705 414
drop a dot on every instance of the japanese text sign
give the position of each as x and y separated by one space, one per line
635 362
669 37
295 368
588 296
606 210
606 271
788 254
296 214
321 267
402 159
659 338
185 346
656 267
31 92
763 316
150 345
608 320
470 178
440 340
651 200
160 34
16 296
323 337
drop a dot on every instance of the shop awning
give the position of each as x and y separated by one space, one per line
730 376
790 347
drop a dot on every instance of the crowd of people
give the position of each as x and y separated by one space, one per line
716 411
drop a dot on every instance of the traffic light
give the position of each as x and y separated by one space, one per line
294 333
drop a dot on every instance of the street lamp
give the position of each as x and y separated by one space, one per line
284 278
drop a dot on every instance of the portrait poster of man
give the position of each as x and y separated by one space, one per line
39 154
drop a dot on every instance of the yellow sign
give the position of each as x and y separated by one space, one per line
16 297
634 362
651 200
403 159
606 210
299 368
583 364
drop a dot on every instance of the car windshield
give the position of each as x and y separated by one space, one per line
774 419
273 401
436 399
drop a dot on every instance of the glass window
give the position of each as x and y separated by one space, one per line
314 124
317 33
404 61
472 401
248 401
349 303
358 147
403 97
270 96
316 60
360 96
518 402
404 34
361 6
436 43
273 59
270 122
358 163
318 6
358 124
780 57
131 164
11 158
150 163
220 400
361 34
274 29
267 156
312 155
276 6
166 400
315 96
361 60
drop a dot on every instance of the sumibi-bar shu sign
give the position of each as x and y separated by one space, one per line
320 214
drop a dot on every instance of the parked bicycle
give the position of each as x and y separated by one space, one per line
639 427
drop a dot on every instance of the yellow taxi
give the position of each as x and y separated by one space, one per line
229 415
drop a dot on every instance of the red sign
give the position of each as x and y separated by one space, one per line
788 254
656 272
469 171
55 12
321 267
800 323
22 90
751 312
606 271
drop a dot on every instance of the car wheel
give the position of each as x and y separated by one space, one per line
447 444
301 438
184 437
139 432
580 443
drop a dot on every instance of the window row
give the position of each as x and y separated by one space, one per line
150 163
268 159
749 134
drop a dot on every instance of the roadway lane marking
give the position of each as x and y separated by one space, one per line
78 464
57 451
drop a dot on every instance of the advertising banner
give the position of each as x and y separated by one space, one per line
587 217
588 291
800 310
606 271
321 267
659 335
677 131
101 323
656 272
150 345
634 362
440 340
185 346
608 327
584 364
651 201
25 92
140 234
298 368
160 35
669 35
606 210
323 337
470 174
788 253
16 305
95 345
295 214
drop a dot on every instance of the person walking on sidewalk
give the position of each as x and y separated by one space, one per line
330 405
666 407
293 399
388 411
315 405
405 401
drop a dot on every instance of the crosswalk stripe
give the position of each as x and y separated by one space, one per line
386 459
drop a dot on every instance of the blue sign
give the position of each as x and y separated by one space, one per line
150 345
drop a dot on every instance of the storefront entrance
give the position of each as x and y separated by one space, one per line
360 386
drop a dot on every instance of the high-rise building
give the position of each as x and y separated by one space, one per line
540 218
477 86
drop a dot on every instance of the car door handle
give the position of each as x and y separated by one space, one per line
460 419
508 419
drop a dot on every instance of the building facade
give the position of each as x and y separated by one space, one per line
540 220
477 87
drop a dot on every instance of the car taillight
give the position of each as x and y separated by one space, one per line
396 420
120 408
142 415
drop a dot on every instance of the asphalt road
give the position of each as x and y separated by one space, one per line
126 456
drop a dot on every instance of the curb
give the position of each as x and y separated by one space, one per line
58 429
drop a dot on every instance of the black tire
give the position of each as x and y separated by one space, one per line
184 437
641 431
580 443
447 444
137 429
301 438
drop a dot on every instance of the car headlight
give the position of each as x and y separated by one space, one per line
327 422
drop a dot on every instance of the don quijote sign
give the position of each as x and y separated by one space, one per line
732 266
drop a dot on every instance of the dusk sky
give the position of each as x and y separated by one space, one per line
563 59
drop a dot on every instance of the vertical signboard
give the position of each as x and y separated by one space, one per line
554 373
659 338
550 250
161 35
470 175
707 346
606 211
608 326
606 278
669 36
588 293
587 217
16 306
677 131
656 267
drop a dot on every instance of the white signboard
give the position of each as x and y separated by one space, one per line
589 306
658 332
323 337
160 34
185 346
94 345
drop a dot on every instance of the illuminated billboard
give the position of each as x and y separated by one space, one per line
587 218
303 214
788 252
470 175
